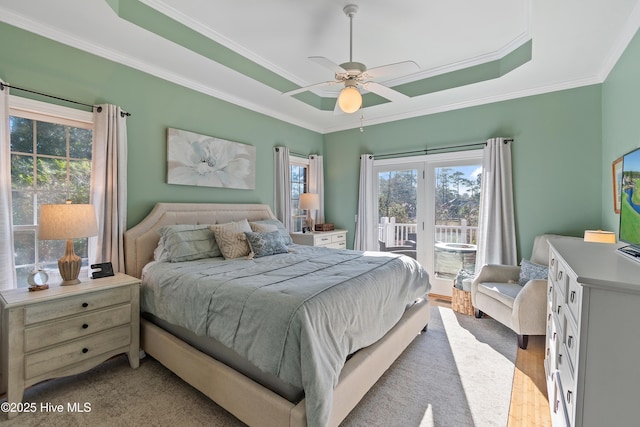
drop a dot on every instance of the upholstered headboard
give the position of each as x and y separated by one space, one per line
141 240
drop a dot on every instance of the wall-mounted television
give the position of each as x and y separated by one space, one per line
630 205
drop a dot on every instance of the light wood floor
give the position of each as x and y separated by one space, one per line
529 404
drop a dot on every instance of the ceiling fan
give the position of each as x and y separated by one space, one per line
354 75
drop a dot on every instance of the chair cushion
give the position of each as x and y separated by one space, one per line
504 292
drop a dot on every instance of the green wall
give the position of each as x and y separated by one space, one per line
620 122
39 64
556 157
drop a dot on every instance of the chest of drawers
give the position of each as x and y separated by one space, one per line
336 239
66 330
593 335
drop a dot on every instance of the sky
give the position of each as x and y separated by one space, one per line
632 161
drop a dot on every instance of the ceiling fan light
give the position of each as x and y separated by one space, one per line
350 99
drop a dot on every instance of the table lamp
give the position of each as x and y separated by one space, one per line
67 222
599 236
309 201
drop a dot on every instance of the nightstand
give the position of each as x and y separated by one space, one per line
336 239
65 330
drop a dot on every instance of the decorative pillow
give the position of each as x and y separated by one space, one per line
186 242
258 227
531 271
231 238
263 244
286 238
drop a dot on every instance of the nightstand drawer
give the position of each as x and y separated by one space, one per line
76 304
76 351
337 238
64 330
337 245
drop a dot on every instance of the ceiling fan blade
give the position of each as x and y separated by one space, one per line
399 68
308 88
385 92
321 60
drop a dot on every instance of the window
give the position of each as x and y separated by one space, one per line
50 163
299 185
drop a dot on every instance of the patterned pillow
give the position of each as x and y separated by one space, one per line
286 238
231 238
531 271
263 244
186 242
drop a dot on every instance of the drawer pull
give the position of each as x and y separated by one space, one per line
324 239
559 358
85 350
85 326
85 304
554 336
556 406
558 310
569 396
569 341
553 261
572 296
560 275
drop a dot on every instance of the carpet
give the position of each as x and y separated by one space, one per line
458 373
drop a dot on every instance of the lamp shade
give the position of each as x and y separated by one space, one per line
599 236
309 201
68 221
350 99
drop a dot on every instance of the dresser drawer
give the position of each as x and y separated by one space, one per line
567 388
574 298
76 304
57 332
571 343
61 356
321 240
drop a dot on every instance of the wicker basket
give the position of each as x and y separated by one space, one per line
324 227
461 302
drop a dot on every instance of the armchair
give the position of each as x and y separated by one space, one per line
496 292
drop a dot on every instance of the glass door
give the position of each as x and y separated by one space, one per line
399 197
453 198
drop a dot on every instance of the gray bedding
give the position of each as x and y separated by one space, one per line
296 315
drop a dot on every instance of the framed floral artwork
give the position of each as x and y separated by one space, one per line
206 161
616 169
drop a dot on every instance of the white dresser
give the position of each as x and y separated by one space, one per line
592 359
66 330
336 239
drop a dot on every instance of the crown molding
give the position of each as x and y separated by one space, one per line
466 104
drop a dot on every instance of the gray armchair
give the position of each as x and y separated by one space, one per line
496 292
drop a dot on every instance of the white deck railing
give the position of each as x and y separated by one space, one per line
394 234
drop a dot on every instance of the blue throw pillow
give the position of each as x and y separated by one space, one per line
531 271
264 244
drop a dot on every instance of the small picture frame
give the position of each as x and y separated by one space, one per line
616 169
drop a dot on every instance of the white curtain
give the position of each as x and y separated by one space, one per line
7 263
366 238
496 222
109 185
282 186
316 184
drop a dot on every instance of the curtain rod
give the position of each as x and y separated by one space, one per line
97 107
428 150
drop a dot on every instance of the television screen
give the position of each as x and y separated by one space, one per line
630 199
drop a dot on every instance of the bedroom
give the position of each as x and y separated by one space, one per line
565 140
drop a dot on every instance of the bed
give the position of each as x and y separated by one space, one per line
235 386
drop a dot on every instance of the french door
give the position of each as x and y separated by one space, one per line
428 209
